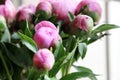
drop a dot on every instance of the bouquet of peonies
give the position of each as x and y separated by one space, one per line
37 42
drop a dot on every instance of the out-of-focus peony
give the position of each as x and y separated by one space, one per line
43 59
8 11
45 24
46 7
92 9
62 7
25 12
83 22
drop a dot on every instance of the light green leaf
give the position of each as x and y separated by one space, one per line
71 16
28 42
27 30
6 35
82 48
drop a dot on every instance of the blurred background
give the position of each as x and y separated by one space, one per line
102 56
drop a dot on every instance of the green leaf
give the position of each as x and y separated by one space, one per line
104 27
17 55
28 42
61 62
35 74
59 52
82 48
84 69
2 23
94 38
6 35
71 16
77 75
27 30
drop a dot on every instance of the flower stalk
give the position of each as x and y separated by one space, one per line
5 66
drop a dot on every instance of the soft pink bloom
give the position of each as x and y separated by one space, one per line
83 22
43 59
62 7
45 24
25 12
46 7
93 10
8 11
46 37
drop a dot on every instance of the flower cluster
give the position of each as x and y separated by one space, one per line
36 42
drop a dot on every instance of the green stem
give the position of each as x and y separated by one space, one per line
5 66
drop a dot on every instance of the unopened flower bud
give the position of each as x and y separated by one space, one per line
8 11
44 7
45 24
83 22
91 8
25 12
46 37
43 60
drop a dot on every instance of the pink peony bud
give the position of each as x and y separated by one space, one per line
83 22
25 12
43 59
46 7
45 24
8 11
46 37
93 9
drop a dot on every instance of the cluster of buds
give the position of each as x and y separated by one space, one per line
86 14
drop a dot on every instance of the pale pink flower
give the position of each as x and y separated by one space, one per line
46 37
45 24
43 59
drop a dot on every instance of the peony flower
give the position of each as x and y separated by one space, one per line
83 22
46 7
8 11
25 12
46 37
43 59
45 24
93 9
62 7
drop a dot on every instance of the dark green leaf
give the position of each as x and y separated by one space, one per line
82 48
19 56
71 16
104 27
28 42
77 75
